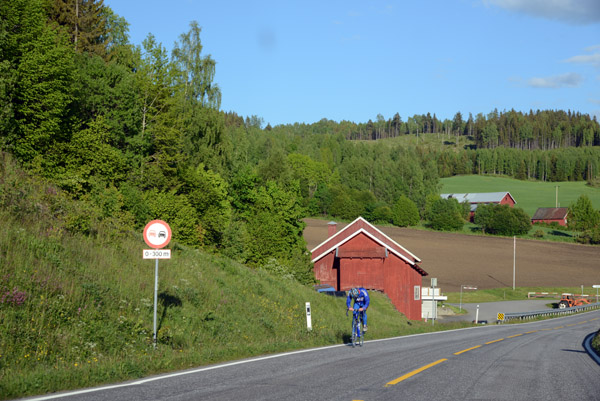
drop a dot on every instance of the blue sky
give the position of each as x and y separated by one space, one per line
301 61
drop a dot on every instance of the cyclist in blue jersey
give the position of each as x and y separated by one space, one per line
361 302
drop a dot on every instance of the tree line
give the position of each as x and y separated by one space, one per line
542 129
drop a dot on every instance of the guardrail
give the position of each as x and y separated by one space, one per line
505 317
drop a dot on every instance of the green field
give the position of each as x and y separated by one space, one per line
529 195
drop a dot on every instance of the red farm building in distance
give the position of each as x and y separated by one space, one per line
551 215
486 198
361 255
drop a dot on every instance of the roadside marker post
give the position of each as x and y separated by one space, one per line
157 235
596 286
308 318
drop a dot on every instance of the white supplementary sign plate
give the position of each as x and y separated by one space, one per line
157 254
596 286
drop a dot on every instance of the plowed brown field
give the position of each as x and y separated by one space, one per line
487 262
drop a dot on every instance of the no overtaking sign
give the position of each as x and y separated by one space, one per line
157 234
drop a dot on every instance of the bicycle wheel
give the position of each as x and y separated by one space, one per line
361 333
354 331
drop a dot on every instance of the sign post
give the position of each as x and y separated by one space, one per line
596 286
157 235
433 303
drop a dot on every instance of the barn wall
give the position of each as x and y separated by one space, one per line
366 272
507 200
561 222
400 280
325 271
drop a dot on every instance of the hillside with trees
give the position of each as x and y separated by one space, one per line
134 133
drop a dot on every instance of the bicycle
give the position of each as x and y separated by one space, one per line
358 333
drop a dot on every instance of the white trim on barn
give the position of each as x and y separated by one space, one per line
417 259
362 230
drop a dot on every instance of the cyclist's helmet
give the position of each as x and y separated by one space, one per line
354 293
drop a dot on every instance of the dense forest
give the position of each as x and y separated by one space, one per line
134 133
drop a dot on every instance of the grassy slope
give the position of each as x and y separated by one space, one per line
85 313
529 194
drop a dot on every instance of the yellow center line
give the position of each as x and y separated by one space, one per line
495 341
545 329
596 318
573 324
529 332
585 321
559 327
414 372
465 350
516 335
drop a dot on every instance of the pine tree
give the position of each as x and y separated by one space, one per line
86 23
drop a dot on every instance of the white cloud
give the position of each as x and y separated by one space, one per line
569 80
571 11
593 59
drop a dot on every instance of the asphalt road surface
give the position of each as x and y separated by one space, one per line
545 360
488 311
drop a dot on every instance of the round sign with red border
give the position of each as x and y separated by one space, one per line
157 234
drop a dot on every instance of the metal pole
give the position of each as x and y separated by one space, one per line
556 196
477 315
155 298
460 304
514 259
433 305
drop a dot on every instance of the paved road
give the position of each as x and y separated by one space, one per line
544 360
489 310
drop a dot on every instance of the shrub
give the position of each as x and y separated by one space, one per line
538 233
589 237
446 215
502 220
582 215
405 212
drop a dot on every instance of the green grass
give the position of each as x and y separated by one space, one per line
530 195
79 311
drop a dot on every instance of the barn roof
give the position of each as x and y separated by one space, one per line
550 213
479 197
361 226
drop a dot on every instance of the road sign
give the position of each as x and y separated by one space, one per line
157 234
500 316
157 254
596 286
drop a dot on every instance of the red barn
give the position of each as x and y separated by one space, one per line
551 215
475 199
362 255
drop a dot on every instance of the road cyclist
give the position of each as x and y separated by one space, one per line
360 296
